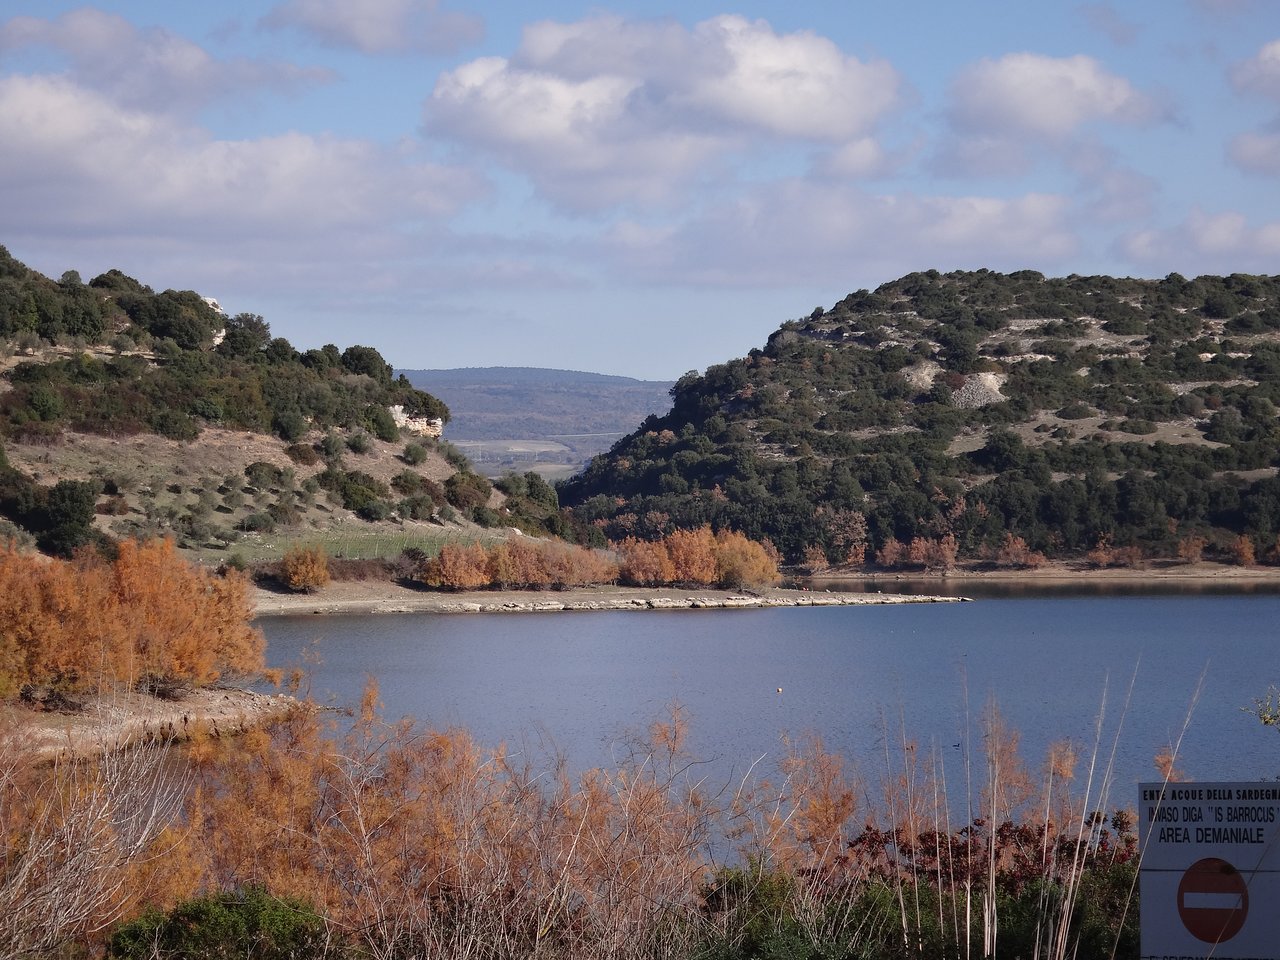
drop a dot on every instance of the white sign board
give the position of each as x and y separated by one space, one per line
1210 875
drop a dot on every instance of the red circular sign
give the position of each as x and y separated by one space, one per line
1213 900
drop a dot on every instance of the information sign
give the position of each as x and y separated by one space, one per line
1209 850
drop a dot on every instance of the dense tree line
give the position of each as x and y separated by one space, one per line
177 365
864 415
688 558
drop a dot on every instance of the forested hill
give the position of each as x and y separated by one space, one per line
532 403
981 415
130 413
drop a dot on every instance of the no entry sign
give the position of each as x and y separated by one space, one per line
1208 851
1213 900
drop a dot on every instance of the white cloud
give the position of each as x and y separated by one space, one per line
1051 98
859 159
153 68
380 26
983 155
607 110
1257 153
798 231
1260 73
798 85
575 138
73 159
1208 243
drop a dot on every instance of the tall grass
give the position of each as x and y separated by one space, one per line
419 843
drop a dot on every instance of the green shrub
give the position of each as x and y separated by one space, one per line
414 454
262 475
467 490
332 446
249 924
418 507
175 425
457 459
486 517
383 425
407 482
258 523
1075 411
374 510
302 453
1139 427
289 425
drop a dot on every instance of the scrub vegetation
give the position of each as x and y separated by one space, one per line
981 418
383 839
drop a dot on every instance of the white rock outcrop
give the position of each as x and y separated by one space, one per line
418 426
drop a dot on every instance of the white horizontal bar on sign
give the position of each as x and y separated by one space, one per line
1210 901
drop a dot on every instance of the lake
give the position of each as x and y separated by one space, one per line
858 676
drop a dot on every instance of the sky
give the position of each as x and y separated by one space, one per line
630 188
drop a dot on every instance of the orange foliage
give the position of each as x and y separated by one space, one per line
1102 555
148 614
693 555
1242 552
742 562
458 567
1014 552
518 564
414 842
697 557
824 804
305 568
403 836
891 555
815 560
645 563
1191 549
918 552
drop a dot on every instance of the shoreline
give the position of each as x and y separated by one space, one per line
376 597
370 597
111 722
1154 572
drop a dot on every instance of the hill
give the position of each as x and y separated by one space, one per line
125 412
523 417
977 415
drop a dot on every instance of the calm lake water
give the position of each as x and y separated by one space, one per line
585 682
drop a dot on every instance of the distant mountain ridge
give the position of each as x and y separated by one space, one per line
538 375
535 403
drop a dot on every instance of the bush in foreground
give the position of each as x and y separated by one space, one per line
148 615
248 924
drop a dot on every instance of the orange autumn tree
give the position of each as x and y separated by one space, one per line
517 564
305 568
146 616
693 555
645 563
743 562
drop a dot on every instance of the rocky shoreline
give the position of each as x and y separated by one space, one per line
115 721
347 598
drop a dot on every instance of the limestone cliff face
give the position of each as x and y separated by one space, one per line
418 426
